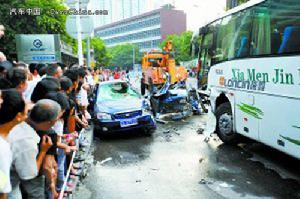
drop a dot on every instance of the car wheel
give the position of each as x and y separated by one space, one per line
148 132
97 132
225 124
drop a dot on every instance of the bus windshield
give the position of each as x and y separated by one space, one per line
270 28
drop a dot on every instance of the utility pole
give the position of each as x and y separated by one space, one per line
133 57
79 40
88 52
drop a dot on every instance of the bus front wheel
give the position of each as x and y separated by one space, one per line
225 124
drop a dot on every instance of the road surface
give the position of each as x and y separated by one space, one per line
176 163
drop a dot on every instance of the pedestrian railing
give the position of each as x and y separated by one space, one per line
63 189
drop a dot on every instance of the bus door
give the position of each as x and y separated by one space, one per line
246 116
205 58
246 119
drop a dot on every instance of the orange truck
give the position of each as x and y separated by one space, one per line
156 63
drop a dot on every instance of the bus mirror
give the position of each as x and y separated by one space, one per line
203 31
211 51
191 49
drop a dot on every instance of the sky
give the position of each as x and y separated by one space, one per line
199 12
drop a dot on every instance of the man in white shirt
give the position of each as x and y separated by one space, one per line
24 141
5 158
12 112
27 158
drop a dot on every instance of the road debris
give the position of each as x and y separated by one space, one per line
200 131
176 133
201 160
161 121
203 181
210 126
106 160
224 185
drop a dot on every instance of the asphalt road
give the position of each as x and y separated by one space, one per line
176 163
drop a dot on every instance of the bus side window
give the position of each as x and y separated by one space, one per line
261 31
276 29
243 49
276 41
291 40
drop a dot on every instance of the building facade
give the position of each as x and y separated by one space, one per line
118 9
146 30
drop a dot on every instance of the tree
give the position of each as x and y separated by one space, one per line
101 54
242 1
45 23
181 45
122 55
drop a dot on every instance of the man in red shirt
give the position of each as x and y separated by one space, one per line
116 75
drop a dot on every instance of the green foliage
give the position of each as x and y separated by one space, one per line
122 55
181 45
46 23
101 54
242 1
14 25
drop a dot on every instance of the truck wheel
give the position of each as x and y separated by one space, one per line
143 88
225 124
153 108
150 85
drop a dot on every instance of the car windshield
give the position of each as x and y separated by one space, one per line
116 91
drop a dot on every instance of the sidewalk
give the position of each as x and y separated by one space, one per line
78 162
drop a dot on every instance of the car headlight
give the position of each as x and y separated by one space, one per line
103 116
182 101
146 105
147 112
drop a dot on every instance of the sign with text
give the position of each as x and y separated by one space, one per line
37 48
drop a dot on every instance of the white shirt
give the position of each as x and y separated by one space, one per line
82 97
111 78
31 86
59 127
24 145
5 163
90 80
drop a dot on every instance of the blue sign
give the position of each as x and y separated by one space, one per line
44 58
38 48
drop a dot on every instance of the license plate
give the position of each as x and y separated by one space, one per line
126 123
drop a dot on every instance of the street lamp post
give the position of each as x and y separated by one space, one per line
79 39
133 57
88 52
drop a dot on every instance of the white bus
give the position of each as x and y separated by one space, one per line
251 57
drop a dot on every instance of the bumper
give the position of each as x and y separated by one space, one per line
111 126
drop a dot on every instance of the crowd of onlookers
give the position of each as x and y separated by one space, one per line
43 106
101 75
42 109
